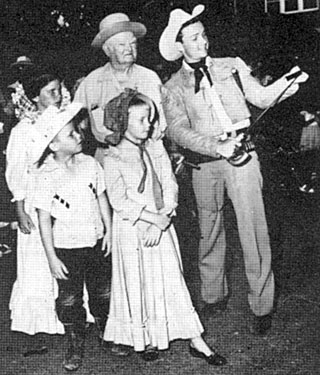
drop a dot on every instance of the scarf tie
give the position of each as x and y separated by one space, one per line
199 68
156 186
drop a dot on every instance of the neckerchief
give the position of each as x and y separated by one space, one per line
199 68
156 186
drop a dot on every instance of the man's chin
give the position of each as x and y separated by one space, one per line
129 60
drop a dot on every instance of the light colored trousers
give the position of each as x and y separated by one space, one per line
243 185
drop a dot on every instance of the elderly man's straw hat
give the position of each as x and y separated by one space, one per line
117 23
178 17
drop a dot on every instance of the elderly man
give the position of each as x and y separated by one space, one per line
206 113
118 39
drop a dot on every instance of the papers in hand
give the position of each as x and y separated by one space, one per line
297 74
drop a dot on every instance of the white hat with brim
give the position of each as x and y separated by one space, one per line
51 122
167 43
22 61
114 24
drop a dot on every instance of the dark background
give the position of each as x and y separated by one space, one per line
30 27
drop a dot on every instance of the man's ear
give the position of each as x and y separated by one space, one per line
106 49
179 47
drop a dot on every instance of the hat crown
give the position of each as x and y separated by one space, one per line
179 15
23 59
112 19
177 18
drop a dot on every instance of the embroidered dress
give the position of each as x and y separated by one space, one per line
150 302
32 302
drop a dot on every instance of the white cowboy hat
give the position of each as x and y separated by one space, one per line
167 42
117 23
22 61
51 122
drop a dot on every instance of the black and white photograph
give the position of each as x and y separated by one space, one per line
160 187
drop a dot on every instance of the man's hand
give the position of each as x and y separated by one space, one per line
152 236
26 224
165 211
228 147
58 269
107 243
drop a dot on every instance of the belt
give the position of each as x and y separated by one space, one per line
234 133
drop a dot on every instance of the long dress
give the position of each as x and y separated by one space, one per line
150 302
32 302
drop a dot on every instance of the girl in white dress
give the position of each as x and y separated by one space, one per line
32 302
150 303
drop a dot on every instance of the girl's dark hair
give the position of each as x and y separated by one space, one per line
33 86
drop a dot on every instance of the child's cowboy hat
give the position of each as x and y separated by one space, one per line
52 121
117 23
167 43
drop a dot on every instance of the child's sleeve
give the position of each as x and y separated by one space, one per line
101 186
44 192
127 208
168 180
17 168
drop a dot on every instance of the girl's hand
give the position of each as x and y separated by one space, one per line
58 269
165 211
162 221
151 236
26 224
107 243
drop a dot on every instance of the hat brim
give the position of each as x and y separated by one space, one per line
137 28
52 121
167 43
21 63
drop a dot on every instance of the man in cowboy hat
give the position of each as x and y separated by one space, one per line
118 39
206 113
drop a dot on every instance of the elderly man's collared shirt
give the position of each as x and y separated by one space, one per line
101 85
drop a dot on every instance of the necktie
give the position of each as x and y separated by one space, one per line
156 186
199 68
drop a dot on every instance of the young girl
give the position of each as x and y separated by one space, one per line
32 302
150 303
73 216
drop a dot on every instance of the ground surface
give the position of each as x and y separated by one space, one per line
292 347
